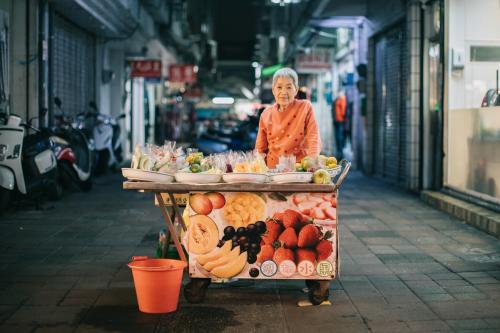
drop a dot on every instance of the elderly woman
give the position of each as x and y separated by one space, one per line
287 127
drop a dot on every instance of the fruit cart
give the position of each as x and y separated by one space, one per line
254 231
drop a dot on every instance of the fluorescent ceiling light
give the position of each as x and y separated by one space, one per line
284 2
223 100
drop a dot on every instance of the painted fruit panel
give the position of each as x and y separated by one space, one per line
262 235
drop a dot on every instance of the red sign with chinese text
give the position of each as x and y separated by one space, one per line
317 61
181 73
146 68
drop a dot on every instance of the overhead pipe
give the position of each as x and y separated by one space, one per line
185 49
314 8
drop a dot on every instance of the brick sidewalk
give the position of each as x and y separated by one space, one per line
405 267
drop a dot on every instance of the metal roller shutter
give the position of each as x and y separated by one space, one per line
73 65
390 107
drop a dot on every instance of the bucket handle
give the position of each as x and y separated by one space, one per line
152 269
139 258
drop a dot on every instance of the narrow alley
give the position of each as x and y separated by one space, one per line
405 267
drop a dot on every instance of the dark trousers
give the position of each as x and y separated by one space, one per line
339 138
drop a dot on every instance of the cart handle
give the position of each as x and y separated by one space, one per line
346 165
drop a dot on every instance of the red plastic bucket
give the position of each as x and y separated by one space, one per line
157 283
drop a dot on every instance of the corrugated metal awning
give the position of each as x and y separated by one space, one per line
104 18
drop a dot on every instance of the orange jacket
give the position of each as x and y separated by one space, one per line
293 131
340 108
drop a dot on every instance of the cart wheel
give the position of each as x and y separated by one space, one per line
194 291
318 291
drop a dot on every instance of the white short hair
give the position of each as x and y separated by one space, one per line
286 72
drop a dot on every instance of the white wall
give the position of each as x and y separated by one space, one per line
472 23
322 112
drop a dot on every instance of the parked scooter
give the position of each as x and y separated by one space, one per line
67 163
227 136
73 150
27 163
105 132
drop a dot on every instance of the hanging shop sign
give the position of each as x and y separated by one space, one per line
182 73
194 91
146 68
317 61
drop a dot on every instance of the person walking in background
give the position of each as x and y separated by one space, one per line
339 116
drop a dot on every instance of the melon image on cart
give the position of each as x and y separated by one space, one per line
254 231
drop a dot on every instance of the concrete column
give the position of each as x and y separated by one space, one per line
33 82
413 139
368 167
5 21
24 58
18 100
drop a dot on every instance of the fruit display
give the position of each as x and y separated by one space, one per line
223 262
292 236
203 234
331 162
204 203
250 162
233 167
262 235
196 163
154 158
316 205
310 164
243 208
245 238
234 250
321 176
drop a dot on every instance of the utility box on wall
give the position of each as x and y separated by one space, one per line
457 59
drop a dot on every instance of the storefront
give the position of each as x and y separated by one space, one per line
390 114
472 115
72 65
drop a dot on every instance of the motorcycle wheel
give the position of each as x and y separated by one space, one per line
69 178
4 199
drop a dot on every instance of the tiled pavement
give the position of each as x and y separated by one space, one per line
405 267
